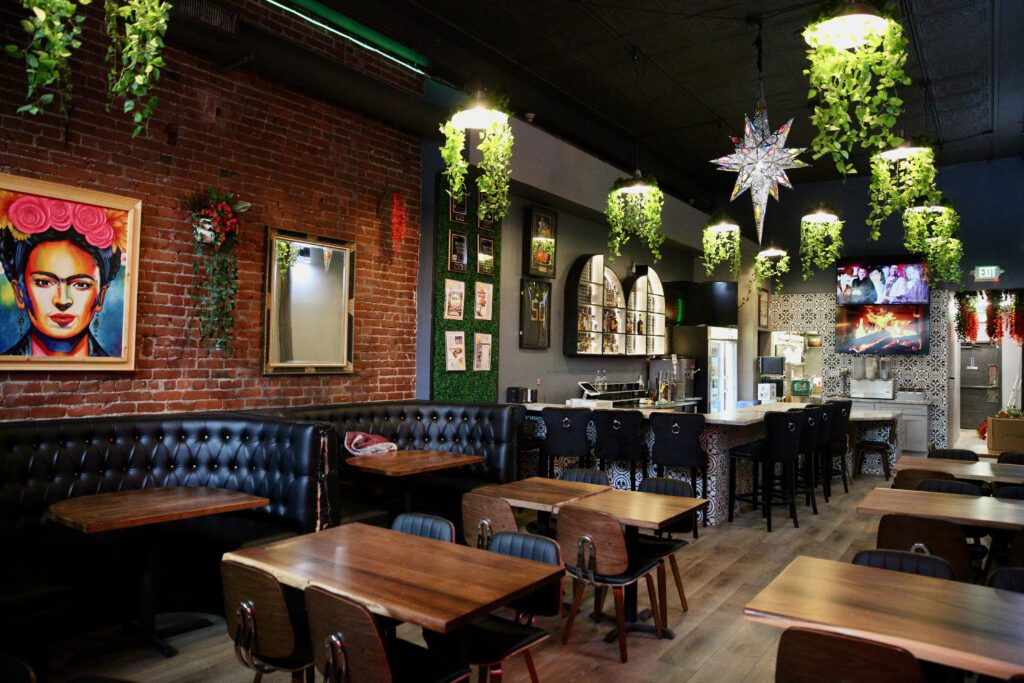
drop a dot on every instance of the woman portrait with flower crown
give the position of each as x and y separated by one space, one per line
68 258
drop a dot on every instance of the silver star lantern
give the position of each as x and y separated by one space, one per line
761 160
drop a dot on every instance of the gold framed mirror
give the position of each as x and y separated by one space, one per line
310 304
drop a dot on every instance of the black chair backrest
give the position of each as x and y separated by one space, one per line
677 440
427 526
905 561
666 487
1011 458
812 426
566 432
1010 492
784 430
618 434
584 475
547 601
947 486
953 454
840 420
828 413
1008 579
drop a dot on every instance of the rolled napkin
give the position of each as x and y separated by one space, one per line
361 443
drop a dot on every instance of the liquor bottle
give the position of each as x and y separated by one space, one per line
639 325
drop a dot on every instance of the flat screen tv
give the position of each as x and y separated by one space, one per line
865 282
882 330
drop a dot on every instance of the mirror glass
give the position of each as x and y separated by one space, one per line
310 304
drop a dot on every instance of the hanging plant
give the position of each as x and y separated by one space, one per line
963 316
287 255
721 245
767 268
898 184
821 239
53 27
495 168
399 219
1015 317
136 29
634 210
455 166
215 219
943 255
994 316
853 92
922 223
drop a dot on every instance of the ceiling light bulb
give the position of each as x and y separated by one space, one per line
724 227
933 208
477 117
852 28
820 216
772 252
901 152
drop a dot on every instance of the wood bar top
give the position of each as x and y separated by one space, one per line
436 585
644 510
984 471
541 493
405 463
974 510
971 627
138 507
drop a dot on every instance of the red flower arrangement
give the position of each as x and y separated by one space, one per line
215 219
994 320
1015 318
399 219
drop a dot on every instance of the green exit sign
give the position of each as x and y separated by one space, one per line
987 273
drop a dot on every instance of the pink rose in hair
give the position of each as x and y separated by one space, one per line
60 213
91 222
30 215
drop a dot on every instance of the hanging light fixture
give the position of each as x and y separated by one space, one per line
905 150
852 25
721 244
771 264
821 240
772 253
479 113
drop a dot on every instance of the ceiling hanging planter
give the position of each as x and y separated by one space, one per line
821 239
721 244
771 264
634 210
856 55
922 222
943 256
900 177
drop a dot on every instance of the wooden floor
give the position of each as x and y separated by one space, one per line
722 570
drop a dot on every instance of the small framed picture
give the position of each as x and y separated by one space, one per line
481 352
484 301
455 351
534 314
484 255
762 308
540 239
454 299
458 252
458 212
481 222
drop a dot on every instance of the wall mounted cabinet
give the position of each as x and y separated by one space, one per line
645 314
595 310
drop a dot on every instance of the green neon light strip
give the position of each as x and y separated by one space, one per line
355 32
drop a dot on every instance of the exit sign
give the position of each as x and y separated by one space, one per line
987 273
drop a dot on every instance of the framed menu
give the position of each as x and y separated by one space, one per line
458 252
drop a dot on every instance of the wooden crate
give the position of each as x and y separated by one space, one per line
1005 434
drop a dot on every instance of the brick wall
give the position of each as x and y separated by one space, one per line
304 164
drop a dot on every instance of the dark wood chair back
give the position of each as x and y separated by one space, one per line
344 634
810 656
1009 492
273 633
909 479
605 535
1008 579
1011 458
940 538
496 511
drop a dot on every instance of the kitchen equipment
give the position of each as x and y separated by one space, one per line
521 395
858 368
872 388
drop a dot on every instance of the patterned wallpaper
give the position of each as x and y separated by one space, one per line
929 373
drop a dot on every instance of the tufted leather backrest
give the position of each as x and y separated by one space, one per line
677 440
953 454
426 526
905 561
44 461
485 429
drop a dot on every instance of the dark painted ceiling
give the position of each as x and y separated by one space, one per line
571 65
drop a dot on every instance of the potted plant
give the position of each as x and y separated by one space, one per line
721 244
634 210
136 30
943 256
495 147
923 222
821 239
771 264
898 181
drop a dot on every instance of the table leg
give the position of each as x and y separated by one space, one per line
634 621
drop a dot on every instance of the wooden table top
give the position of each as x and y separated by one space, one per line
541 493
644 510
986 471
974 510
405 463
963 625
436 585
138 507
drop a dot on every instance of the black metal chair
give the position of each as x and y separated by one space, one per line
565 437
953 454
618 439
807 479
781 446
1011 458
584 475
1009 492
677 444
950 486
427 526
828 413
905 561
837 448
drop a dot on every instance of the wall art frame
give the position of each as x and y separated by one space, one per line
540 238
484 255
763 301
534 314
458 252
458 212
481 222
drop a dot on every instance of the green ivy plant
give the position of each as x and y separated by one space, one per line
943 257
854 92
495 167
455 166
921 224
287 255
768 268
898 184
964 315
635 214
820 244
721 246
136 29
53 27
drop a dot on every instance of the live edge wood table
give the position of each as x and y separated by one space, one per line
962 625
540 493
434 585
406 463
141 507
983 511
982 471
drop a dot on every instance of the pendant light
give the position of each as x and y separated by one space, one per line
721 244
852 25
479 112
821 240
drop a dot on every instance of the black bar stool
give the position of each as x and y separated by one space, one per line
838 445
566 436
618 439
781 445
806 482
677 444
828 412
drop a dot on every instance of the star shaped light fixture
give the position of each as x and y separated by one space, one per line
761 160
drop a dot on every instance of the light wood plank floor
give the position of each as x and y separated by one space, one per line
722 570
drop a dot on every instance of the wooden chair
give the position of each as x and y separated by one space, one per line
933 536
484 516
1011 458
348 648
667 548
884 450
425 526
810 656
269 634
585 475
598 556
909 479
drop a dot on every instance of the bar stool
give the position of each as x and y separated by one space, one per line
566 436
618 439
884 449
807 480
677 444
828 412
838 444
781 445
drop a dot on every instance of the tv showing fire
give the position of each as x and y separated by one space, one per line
882 330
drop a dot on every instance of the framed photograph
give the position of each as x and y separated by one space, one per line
454 299
455 351
458 212
484 255
481 352
481 222
540 240
70 275
458 252
534 314
762 308
484 301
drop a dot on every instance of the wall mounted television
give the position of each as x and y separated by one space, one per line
882 330
862 282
